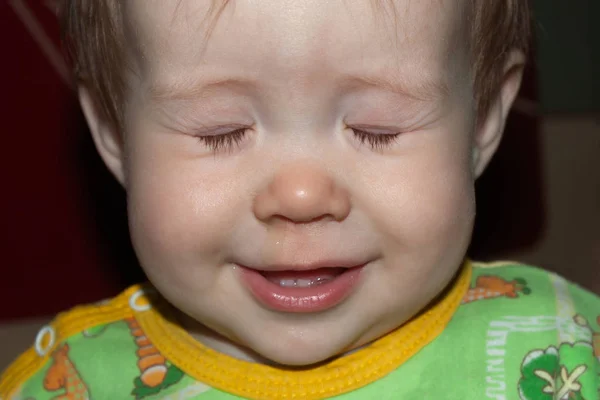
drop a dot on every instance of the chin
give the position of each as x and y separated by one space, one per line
299 353
299 359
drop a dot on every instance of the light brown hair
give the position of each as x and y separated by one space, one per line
94 39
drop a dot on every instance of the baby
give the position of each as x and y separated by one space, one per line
299 177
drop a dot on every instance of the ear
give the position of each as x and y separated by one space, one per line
108 140
491 127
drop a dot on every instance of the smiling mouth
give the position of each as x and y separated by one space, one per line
301 291
303 279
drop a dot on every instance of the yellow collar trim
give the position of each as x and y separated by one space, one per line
339 376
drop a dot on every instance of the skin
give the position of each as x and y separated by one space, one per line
300 187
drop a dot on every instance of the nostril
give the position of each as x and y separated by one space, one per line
297 221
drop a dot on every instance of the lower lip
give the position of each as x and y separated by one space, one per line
301 300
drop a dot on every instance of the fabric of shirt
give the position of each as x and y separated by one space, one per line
500 331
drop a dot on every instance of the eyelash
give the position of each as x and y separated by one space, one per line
227 141
224 142
378 141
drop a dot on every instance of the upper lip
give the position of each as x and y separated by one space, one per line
308 266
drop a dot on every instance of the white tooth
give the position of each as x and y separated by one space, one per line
304 282
287 282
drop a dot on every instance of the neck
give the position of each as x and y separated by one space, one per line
218 342
224 345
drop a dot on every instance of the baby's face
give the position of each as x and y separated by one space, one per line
300 182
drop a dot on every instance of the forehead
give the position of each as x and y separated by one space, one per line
297 37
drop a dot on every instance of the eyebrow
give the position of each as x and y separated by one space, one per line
194 90
423 89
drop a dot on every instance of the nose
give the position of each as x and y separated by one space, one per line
302 193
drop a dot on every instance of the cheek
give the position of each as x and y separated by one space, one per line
423 208
180 209
448 203
428 204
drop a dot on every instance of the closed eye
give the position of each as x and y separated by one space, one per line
229 140
224 141
377 141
